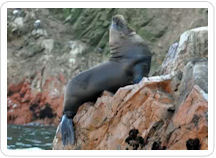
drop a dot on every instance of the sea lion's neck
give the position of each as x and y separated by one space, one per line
124 44
120 48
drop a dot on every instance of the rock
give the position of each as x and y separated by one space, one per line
39 32
77 47
145 107
16 27
159 27
48 45
16 12
190 122
18 23
37 24
90 26
107 124
32 50
192 44
194 73
25 105
37 74
169 111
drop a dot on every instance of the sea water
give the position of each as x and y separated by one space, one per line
30 137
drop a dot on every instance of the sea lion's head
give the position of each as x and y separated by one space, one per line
120 25
121 35
119 30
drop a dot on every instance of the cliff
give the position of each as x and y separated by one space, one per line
168 111
42 58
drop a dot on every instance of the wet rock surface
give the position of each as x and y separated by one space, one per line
166 112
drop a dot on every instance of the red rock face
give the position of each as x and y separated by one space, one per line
191 121
26 105
146 107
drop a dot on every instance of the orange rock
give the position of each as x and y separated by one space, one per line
190 121
148 107
112 117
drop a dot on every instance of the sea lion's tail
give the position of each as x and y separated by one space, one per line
67 131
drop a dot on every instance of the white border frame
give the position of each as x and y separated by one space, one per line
107 4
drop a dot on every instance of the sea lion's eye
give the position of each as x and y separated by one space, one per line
117 22
120 24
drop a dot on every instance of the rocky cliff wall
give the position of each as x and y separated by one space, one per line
42 58
164 112
159 27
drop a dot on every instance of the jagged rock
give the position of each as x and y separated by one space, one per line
107 124
168 111
154 107
194 73
190 121
192 44
148 107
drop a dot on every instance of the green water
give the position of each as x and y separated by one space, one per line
30 137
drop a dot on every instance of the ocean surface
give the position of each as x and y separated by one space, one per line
30 137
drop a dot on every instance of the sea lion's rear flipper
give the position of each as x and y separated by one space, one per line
67 131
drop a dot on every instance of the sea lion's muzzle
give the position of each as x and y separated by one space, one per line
118 23
117 26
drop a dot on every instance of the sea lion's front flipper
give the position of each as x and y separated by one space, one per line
67 131
138 74
141 69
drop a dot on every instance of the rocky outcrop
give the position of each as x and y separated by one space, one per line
192 44
27 106
68 41
41 59
164 112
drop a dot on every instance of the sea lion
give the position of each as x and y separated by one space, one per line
130 60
